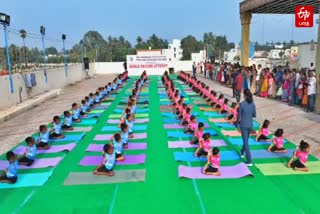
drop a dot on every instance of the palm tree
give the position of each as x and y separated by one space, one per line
23 35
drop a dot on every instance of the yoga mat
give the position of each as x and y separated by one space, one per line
228 125
208 109
186 144
73 137
53 149
129 160
116 128
100 107
140 115
218 120
236 171
189 156
28 180
108 136
166 99
87 122
121 176
146 120
182 134
96 111
281 169
137 111
131 146
89 116
232 133
178 126
172 120
252 141
171 114
259 154
214 114
80 129
38 163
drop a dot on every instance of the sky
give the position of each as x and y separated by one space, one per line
168 19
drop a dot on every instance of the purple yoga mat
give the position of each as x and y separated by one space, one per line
108 136
236 171
129 160
131 146
53 149
178 126
39 163
116 121
186 144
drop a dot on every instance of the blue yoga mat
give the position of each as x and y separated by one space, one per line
28 180
89 116
176 134
73 137
189 156
87 122
145 110
252 141
172 120
258 154
115 128
214 114
228 125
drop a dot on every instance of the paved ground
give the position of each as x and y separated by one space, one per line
19 127
297 124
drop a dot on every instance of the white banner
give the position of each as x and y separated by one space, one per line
153 64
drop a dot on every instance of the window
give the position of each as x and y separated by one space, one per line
174 55
174 49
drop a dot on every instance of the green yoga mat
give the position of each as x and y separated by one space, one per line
97 111
122 176
116 116
281 169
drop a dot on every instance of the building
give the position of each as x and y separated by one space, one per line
174 51
307 54
233 54
199 57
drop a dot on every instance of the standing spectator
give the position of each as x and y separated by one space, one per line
286 86
201 67
194 69
258 83
279 76
312 68
234 75
198 68
206 72
238 86
292 91
311 91
125 66
246 112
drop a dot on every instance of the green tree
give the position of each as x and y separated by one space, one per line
23 35
51 51
190 44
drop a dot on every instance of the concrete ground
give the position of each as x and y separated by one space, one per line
19 127
297 124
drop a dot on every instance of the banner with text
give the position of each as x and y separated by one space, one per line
153 64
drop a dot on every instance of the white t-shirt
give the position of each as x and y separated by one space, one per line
312 86
258 74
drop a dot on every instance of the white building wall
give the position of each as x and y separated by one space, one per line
306 55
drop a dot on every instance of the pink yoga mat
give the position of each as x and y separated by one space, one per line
108 136
186 144
116 121
39 163
218 120
53 149
236 171
233 133
129 160
178 126
131 146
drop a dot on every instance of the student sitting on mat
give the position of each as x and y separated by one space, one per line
213 99
278 142
109 87
300 157
114 85
109 160
117 143
219 103
213 164
91 100
124 135
29 156
97 98
87 99
225 107
83 108
264 132
186 117
56 128
233 113
10 174
124 116
129 122
43 138
67 124
204 146
198 134
134 106
75 113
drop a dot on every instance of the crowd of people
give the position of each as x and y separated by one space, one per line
293 86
